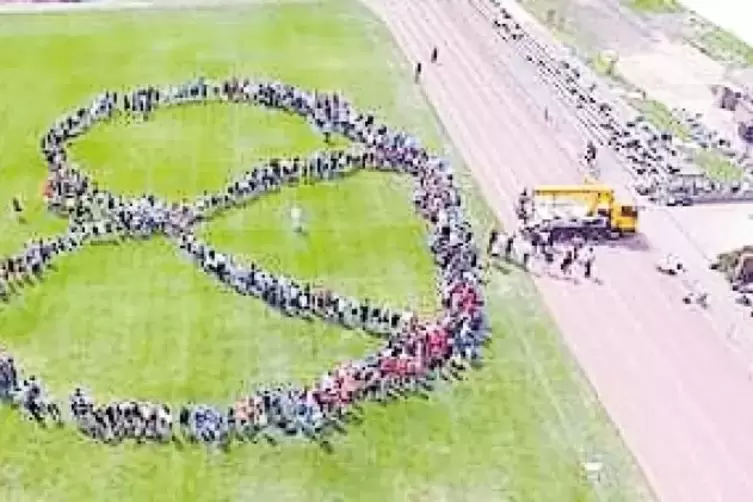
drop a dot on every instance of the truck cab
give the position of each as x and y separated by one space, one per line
624 218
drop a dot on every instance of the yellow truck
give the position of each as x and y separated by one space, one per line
591 211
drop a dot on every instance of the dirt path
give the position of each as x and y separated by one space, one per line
678 396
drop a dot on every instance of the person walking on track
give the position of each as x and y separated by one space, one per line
417 73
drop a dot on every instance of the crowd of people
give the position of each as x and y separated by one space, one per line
414 353
663 166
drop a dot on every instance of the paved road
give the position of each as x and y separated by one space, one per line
679 396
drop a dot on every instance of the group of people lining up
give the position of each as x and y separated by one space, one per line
415 352
28 266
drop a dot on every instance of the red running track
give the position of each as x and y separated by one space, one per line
679 398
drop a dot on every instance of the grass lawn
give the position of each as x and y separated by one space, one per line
718 166
655 6
660 116
603 64
138 320
724 46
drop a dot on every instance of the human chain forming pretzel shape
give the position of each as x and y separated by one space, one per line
415 352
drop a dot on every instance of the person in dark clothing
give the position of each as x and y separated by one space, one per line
417 73
434 55
587 268
590 153
588 263
493 237
509 246
18 209
567 262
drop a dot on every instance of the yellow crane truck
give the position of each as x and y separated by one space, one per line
590 211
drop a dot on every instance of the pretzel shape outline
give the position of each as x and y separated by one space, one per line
412 346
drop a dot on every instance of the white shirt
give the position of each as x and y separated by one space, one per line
295 213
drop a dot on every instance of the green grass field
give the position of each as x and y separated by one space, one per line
660 115
723 46
655 6
138 320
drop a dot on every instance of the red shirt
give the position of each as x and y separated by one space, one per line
403 365
47 190
437 343
388 365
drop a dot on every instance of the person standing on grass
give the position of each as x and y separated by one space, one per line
296 219
417 72
509 246
8 374
526 251
18 210
491 245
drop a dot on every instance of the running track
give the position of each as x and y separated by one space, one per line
679 397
